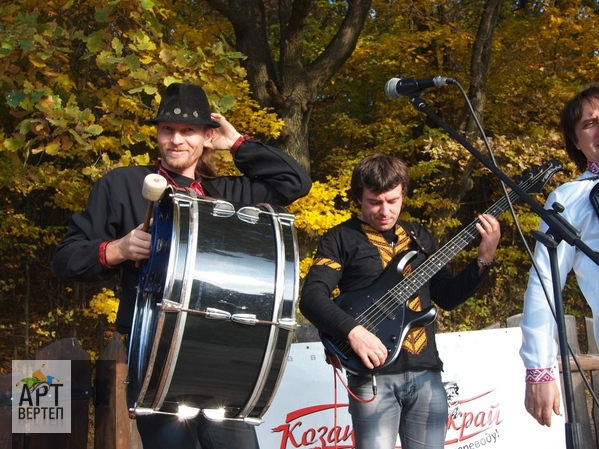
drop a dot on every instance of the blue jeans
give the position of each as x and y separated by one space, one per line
412 404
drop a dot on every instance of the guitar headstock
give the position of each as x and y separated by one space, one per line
539 176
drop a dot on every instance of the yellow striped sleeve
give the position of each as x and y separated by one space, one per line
323 261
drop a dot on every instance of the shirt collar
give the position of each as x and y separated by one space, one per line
593 166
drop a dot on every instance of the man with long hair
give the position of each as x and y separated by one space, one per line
107 237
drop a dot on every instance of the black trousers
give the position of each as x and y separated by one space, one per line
165 431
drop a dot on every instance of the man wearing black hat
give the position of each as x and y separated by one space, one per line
107 237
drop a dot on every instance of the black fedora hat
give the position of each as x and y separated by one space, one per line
184 103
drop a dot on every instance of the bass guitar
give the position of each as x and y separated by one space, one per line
382 308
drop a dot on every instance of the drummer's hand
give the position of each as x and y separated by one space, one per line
134 246
221 138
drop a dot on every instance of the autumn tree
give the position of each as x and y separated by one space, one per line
78 79
525 74
293 50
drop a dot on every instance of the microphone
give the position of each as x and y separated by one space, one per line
398 87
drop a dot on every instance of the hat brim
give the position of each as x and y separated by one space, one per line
185 120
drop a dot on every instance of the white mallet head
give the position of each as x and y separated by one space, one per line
154 185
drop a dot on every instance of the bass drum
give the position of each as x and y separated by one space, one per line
216 309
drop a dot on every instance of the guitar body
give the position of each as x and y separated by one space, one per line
370 307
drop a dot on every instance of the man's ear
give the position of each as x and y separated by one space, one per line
209 134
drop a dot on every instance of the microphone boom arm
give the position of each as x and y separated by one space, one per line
560 228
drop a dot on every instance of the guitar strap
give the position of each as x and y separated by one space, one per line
410 228
594 198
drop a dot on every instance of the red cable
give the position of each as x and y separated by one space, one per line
336 375
335 364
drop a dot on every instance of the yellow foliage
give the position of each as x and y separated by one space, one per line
79 78
321 209
103 304
305 265
108 143
129 105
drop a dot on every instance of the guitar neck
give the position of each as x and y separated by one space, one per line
462 239
415 280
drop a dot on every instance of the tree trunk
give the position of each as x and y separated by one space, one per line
26 303
479 69
481 61
292 84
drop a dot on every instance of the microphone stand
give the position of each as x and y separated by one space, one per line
559 229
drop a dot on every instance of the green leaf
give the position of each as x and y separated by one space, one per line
220 68
26 126
102 13
147 4
28 19
15 97
138 137
27 45
95 42
94 130
227 102
13 144
37 95
53 148
117 45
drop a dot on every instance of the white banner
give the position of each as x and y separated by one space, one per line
484 379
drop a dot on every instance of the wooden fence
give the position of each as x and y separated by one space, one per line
109 427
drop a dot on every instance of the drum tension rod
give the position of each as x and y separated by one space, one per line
217 314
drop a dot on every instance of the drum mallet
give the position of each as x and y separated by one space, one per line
154 186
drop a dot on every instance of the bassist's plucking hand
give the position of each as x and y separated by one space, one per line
367 346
